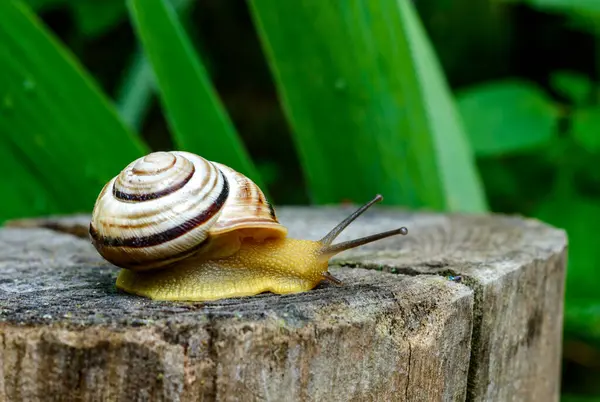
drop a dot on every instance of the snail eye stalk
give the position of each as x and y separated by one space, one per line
329 250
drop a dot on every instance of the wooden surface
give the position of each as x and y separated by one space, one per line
398 330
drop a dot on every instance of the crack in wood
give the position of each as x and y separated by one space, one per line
406 391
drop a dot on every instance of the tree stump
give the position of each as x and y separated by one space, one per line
400 329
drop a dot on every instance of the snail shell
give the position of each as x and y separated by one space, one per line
166 206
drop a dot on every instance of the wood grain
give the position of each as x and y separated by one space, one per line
399 330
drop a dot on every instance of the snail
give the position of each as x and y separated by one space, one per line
187 229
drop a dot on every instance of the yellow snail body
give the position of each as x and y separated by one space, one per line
184 228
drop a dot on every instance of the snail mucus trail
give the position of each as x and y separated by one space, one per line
187 229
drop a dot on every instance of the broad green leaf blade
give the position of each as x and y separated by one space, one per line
506 116
584 5
42 5
138 85
576 87
136 90
585 124
581 14
65 131
22 193
193 109
577 216
582 319
460 180
364 95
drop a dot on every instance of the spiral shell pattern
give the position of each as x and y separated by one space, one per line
246 208
167 205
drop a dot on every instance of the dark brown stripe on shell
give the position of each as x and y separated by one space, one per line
272 212
152 196
171 258
167 235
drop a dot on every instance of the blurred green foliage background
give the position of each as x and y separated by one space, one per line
451 105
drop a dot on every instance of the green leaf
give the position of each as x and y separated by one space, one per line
64 130
193 109
502 183
576 215
94 17
582 319
136 90
507 116
23 195
584 21
578 398
585 128
583 5
368 104
574 86
41 5
138 84
581 14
